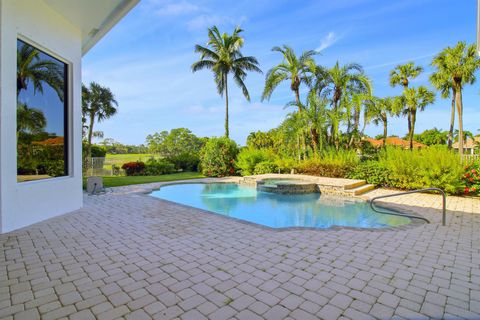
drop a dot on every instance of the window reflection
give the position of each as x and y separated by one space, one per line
41 114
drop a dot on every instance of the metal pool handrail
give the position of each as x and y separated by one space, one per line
444 208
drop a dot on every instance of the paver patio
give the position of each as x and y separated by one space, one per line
127 255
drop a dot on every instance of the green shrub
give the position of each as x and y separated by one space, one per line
331 163
371 171
435 166
285 165
248 158
156 167
185 161
55 168
217 157
471 178
98 152
265 167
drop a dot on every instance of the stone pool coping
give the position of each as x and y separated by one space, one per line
146 189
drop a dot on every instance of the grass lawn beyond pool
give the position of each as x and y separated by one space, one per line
124 181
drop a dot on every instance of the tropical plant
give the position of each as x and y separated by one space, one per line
378 111
341 82
442 81
401 75
416 99
432 137
222 55
32 68
466 135
471 178
248 158
217 157
460 64
98 103
30 119
296 70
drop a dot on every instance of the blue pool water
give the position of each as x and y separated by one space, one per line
278 210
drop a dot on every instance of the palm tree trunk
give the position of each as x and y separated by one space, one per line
413 119
314 135
297 99
90 134
226 106
452 122
385 131
458 102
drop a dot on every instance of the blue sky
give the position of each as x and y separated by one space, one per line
146 59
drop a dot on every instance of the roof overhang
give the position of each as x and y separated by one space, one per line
93 17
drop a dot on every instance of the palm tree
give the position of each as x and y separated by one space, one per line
30 119
442 81
466 135
340 81
222 55
97 103
460 63
416 99
31 68
379 109
294 69
402 74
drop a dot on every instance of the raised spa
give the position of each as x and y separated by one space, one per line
277 210
287 186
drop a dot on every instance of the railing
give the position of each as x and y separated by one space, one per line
470 157
444 207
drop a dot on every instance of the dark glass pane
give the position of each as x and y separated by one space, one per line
41 114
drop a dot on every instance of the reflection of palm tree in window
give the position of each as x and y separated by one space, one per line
30 119
31 68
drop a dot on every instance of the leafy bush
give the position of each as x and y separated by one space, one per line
55 168
248 158
185 161
156 167
471 178
285 165
134 168
98 152
332 163
265 167
435 166
372 172
217 157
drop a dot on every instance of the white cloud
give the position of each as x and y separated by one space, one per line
329 40
207 20
175 8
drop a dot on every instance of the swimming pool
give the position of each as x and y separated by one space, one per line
278 210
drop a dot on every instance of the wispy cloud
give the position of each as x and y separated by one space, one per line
174 8
392 63
329 40
207 20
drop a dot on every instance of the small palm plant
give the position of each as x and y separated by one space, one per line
222 55
416 99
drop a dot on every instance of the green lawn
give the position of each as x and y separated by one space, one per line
120 159
124 181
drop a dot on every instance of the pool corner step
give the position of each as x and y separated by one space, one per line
361 189
353 185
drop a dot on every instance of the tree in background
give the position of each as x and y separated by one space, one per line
378 111
98 103
295 69
442 81
222 55
460 63
432 137
401 75
416 99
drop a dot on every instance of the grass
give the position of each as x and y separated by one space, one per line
125 181
120 159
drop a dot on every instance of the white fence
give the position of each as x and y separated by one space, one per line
471 157
97 167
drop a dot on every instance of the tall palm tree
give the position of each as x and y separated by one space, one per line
416 99
31 68
379 109
442 81
460 63
295 69
401 75
222 55
341 81
98 103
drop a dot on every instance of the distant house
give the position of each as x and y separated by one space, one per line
395 141
469 146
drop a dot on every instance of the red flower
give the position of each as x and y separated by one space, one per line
466 191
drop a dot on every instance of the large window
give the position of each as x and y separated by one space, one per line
41 114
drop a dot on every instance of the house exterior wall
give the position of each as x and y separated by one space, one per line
25 203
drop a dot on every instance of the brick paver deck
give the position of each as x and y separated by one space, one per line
127 255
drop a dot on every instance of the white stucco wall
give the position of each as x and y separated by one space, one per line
25 203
